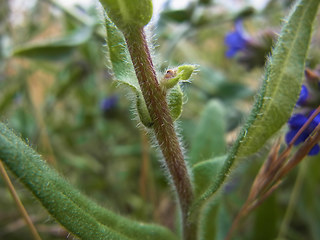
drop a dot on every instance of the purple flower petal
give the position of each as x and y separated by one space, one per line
303 95
314 151
297 121
108 103
316 120
314 123
236 40
290 135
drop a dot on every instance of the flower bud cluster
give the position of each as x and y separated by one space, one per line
251 51
308 101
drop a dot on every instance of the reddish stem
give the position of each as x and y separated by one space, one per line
163 126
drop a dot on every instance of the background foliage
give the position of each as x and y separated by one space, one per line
55 81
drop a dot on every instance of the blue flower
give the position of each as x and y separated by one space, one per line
308 99
304 93
236 40
108 103
295 123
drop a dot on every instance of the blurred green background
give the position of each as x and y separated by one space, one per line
57 93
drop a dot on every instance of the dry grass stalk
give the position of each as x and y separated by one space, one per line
275 169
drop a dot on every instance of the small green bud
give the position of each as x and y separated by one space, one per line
169 83
169 80
174 98
173 76
185 71
128 13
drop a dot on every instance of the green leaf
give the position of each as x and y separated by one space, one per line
208 221
283 79
55 49
120 57
224 220
214 220
206 173
128 13
209 140
309 206
123 69
216 85
280 88
229 91
266 213
66 80
8 96
143 111
75 212
179 16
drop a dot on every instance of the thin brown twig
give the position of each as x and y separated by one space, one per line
265 195
264 172
279 169
18 202
249 206
270 178
303 151
304 127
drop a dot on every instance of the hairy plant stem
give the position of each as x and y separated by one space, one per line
163 126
